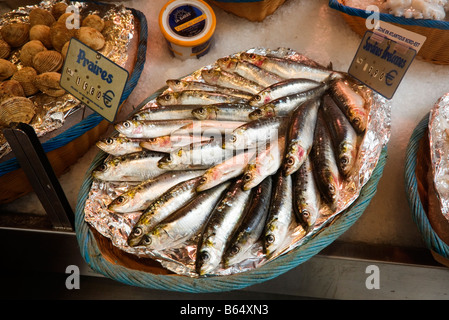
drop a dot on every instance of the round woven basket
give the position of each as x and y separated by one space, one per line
104 258
434 48
421 195
66 148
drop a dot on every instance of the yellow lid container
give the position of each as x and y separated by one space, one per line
188 26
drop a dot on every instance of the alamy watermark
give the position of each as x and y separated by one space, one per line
373 280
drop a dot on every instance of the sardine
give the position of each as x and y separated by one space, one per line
249 71
230 80
201 155
209 128
306 197
224 111
138 198
255 132
280 217
287 68
149 128
137 166
343 135
224 219
181 85
282 89
197 97
351 103
185 222
300 135
326 172
251 228
226 170
160 208
119 145
172 142
284 106
265 163
169 112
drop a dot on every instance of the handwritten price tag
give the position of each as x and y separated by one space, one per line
93 79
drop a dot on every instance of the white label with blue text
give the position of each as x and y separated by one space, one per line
93 79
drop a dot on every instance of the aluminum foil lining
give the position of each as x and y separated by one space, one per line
52 112
181 260
439 151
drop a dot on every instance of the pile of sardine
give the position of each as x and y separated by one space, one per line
249 149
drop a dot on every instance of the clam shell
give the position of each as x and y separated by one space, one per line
41 16
26 77
48 61
48 83
5 49
93 21
16 34
60 35
7 69
58 9
29 50
41 33
11 88
16 109
91 37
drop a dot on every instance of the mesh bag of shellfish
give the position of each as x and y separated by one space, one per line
33 43
237 163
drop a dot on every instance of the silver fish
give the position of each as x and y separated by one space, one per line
170 201
223 220
226 170
140 197
351 103
282 89
183 111
201 155
284 106
119 145
300 135
230 80
343 135
224 111
327 175
185 222
209 128
196 97
288 68
251 228
255 132
136 166
249 71
149 128
181 85
306 196
265 163
280 217
172 142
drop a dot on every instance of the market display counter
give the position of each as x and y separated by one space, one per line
385 236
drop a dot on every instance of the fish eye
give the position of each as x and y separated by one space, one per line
204 256
247 177
331 188
103 167
146 240
178 82
270 238
258 97
120 199
152 139
356 121
201 110
203 180
126 124
344 160
167 97
235 249
137 231
109 140
252 55
290 161
305 213
233 138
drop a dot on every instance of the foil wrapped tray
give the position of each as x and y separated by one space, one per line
51 112
181 260
439 151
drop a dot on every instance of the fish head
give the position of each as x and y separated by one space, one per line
128 127
232 254
235 140
155 239
272 241
205 113
257 100
332 190
293 159
265 111
136 235
308 215
119 203
102 170
250 177
346 158
168 98
211 75
227 63
207 260
177 85
165 162
107 145
253 58
209 179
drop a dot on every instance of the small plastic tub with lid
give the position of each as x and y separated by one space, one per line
188 26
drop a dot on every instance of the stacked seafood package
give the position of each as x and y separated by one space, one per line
237 163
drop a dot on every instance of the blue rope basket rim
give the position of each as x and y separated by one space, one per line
93 120
443 25
419 215
94 258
